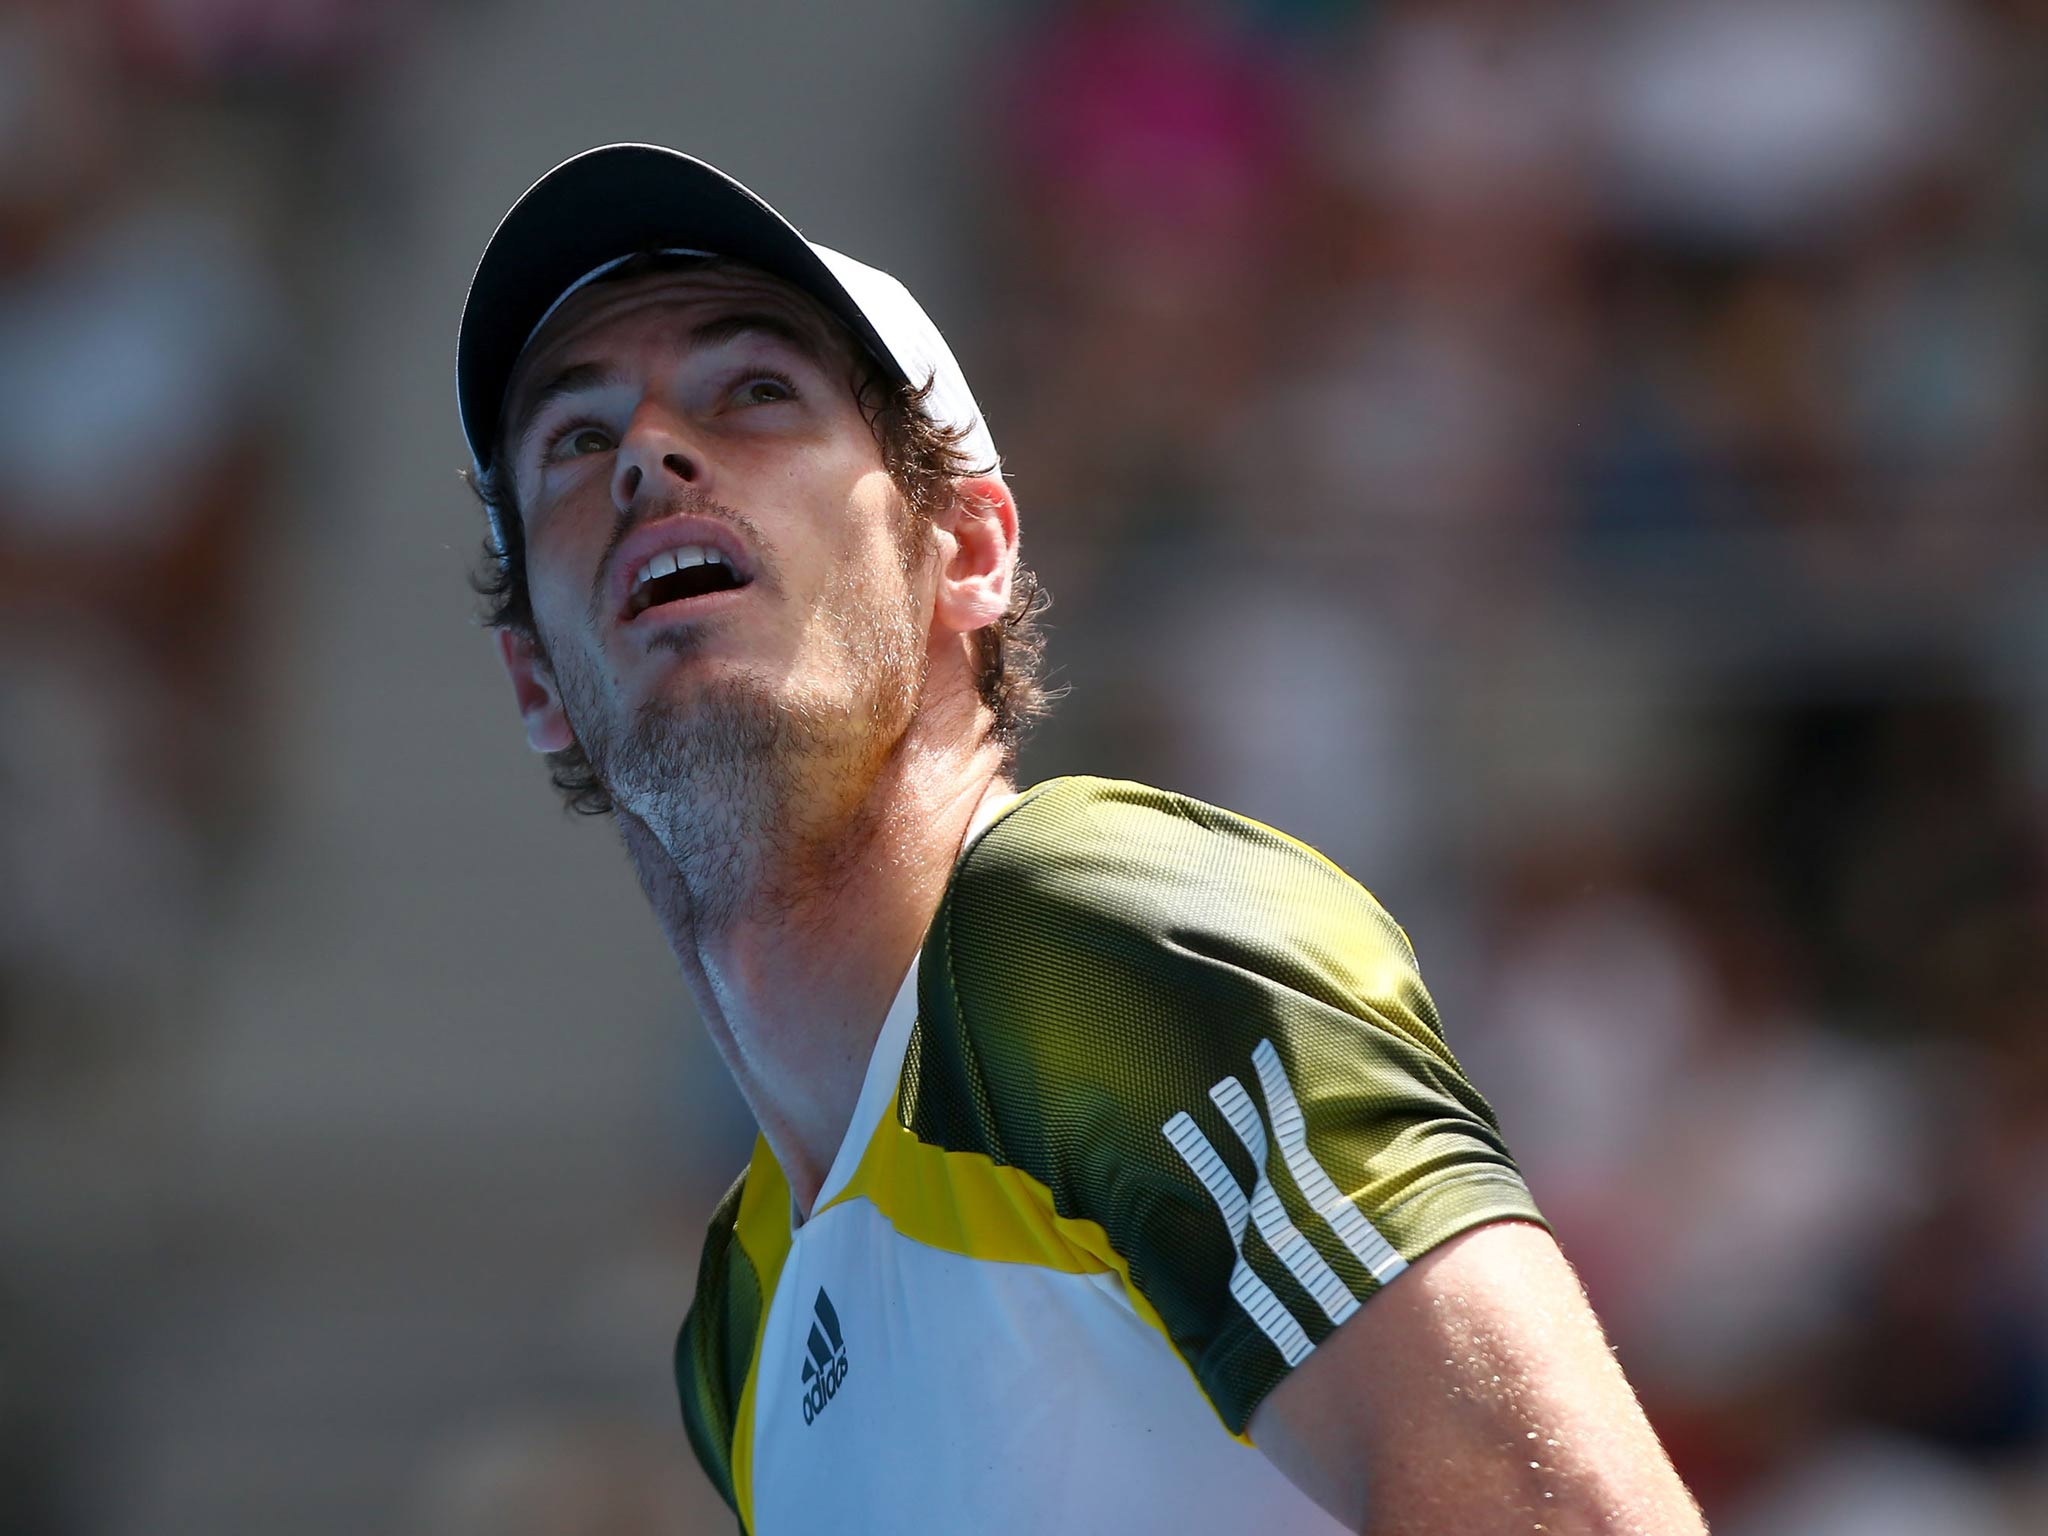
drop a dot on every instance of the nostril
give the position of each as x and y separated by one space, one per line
678 466
629 482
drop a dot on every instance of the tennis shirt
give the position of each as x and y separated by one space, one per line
1161 1104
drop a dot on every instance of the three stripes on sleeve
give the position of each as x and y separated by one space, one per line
1263 1207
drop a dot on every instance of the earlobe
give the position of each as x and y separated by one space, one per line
980 554
533 685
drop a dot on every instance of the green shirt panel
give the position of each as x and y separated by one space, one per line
715 1347
1105 954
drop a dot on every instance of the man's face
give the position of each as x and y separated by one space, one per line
705 420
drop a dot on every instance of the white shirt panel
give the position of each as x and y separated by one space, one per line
986 1398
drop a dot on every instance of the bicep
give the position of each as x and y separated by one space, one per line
1475 1394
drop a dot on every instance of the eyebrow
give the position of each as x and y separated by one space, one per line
578 377
572 380
730 327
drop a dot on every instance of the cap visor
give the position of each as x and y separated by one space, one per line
599 206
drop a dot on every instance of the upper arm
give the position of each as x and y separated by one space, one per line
1476 1395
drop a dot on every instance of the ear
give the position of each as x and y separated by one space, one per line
978 552
533 685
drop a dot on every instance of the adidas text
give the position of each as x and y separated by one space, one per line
826 1367
823 1389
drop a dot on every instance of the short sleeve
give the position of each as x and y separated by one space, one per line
1207 1039
716 1344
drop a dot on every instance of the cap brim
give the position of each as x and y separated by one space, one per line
597 207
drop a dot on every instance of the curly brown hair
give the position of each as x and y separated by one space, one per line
926 462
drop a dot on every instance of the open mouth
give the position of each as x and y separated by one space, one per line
677 575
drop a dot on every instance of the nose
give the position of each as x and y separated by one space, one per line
652 452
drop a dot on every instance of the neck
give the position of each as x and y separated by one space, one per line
795 978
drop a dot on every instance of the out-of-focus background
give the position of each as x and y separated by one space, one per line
1579 464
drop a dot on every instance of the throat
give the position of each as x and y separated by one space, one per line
874 1051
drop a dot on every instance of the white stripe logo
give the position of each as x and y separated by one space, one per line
1263 1208
1252 1293
1291 1131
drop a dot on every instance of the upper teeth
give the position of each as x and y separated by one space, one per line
678 560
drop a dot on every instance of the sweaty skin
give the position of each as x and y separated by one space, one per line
1484 1357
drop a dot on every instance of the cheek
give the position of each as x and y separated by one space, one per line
832 528
552 612
883 519
557 575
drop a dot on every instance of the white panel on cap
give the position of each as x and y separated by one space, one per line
920 351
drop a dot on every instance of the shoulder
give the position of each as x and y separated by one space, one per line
1107 849
1098 924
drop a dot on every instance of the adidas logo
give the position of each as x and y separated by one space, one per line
826 1368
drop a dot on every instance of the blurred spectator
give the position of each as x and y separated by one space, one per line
1470 126
1746 123
1416 420
1873 1485
1902 845
221 44
1143 229
1725 1230
137 336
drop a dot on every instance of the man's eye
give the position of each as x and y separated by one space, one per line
578 441
766 389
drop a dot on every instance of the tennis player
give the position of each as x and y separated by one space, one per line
1113 1173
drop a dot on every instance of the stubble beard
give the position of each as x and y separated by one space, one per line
761 794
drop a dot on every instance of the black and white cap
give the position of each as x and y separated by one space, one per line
605 206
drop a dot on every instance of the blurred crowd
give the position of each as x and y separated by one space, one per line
1580 464
140 334
144 422
1583 465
